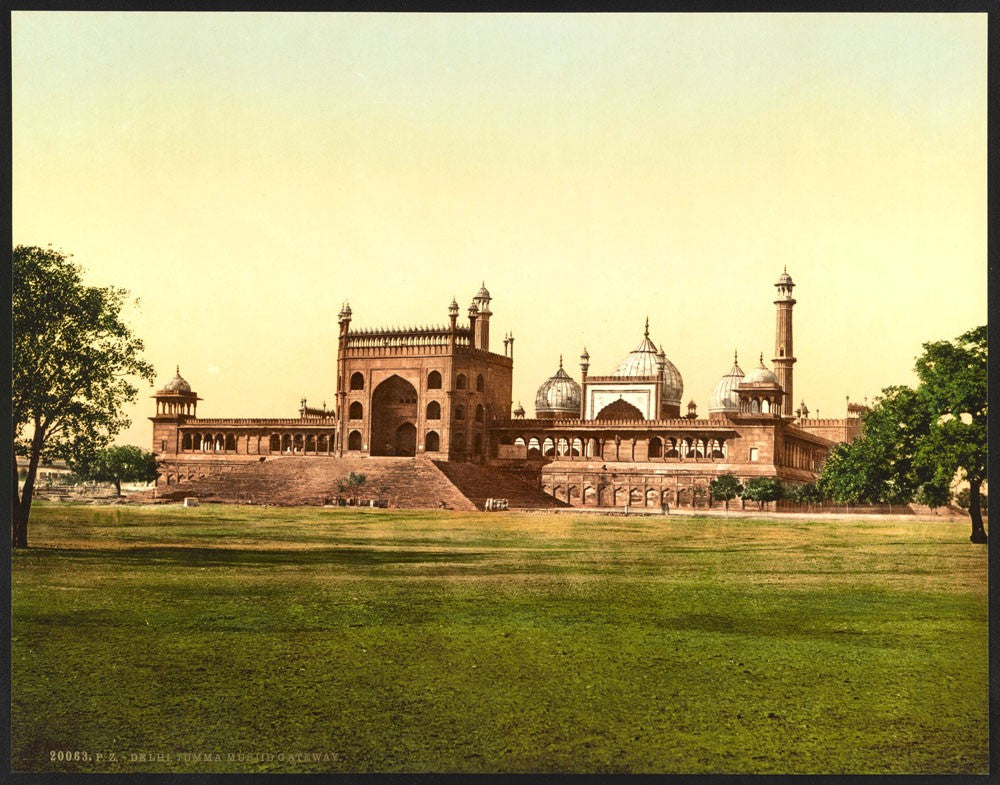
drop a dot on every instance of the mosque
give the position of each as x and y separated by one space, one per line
439 394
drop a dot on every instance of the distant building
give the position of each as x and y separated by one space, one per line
439 392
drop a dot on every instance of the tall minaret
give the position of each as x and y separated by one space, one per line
482 328
344 320
784 357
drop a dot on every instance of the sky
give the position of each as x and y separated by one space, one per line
243 174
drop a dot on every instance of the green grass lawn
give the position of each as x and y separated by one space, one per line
265 639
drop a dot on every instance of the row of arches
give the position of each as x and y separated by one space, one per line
761 405
617 449
588 494
357 381
432 441
176 407
320 443
356 411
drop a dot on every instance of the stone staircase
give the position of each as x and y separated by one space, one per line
407 482
478 483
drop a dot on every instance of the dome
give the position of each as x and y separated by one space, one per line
558 395
724 397
645 360
519 411
483 293
761 374
177 384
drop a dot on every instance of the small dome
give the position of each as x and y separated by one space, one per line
483 293
177 384
761 374
645 360
724 397
519 411
558 395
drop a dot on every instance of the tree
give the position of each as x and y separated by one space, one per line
917 441
952 386
933 495
762 490
807 493
118 464
74 362
880 466
725 488
354 482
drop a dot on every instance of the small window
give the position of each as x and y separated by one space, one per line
433 442
459 412
480 412
163 444
433 411
434 380
356 411
754 454
460 382
480 383
357 381
354 441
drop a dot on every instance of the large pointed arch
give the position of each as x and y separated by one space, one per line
393 406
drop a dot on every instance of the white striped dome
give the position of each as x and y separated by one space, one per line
558 395
761 374
724 397
645 360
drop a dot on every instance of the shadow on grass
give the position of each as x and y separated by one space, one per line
228 557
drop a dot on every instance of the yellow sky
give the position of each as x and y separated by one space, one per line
243 174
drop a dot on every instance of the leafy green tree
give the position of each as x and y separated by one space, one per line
916 441
807 493
880 466
762 490
952 386
355 482
933 495
118 464
74 365
725 488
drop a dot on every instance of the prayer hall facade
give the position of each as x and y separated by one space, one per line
439 394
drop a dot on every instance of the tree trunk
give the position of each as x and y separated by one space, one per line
976 513
22 505
118 486
18 526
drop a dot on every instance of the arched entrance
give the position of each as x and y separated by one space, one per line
406 439
620 410
394 417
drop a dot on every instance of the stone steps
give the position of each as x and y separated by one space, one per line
402 482
479 483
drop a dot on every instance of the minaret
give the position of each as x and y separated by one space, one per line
584 367
473 318
482 300
344 320
784 357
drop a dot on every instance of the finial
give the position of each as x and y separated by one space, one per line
736 359
560 362
178 369
786 268
647 327
762 359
